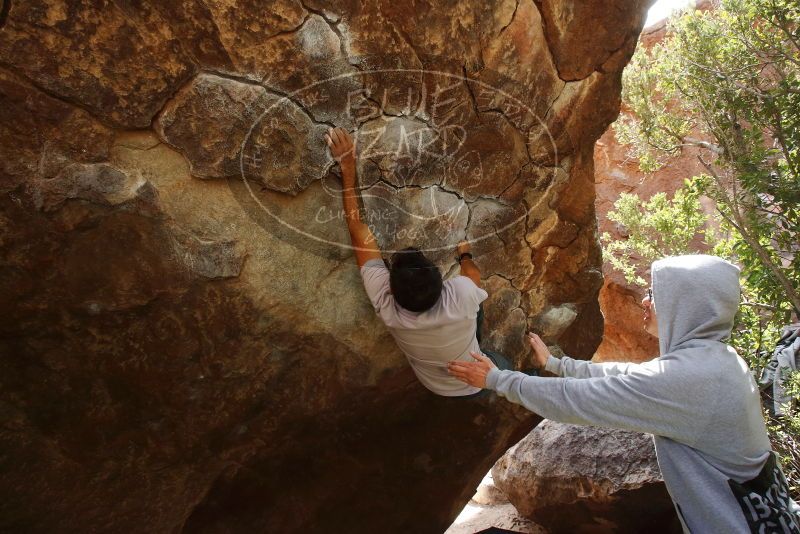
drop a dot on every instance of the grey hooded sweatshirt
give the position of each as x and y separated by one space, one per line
698 399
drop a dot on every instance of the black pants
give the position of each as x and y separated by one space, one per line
499 360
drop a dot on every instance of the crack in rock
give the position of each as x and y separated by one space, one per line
513 15
5 8
284 150
13 69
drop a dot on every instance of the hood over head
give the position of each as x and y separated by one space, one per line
696 298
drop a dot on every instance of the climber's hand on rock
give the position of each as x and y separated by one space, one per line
341 144
472 373
463 246
540 350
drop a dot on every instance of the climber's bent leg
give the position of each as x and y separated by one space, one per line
479 320
499 360
503 364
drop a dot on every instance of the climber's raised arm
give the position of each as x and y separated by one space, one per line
468 267
343 150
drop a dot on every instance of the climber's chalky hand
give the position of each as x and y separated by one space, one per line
341 144
472 373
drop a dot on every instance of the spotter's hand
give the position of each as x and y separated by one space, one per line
472 373
540 351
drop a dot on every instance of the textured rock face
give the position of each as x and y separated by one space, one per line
186 343
581 479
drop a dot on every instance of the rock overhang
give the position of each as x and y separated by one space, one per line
178 272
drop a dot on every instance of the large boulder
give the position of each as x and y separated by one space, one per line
581 479
186 345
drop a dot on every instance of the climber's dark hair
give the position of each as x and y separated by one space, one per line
415 281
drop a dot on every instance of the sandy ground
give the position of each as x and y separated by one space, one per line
489 507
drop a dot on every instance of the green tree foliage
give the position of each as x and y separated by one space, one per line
655 228
727 83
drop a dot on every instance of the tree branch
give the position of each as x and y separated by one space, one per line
737 221
760 306
716 149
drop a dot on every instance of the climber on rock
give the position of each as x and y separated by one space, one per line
697 398
433 321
